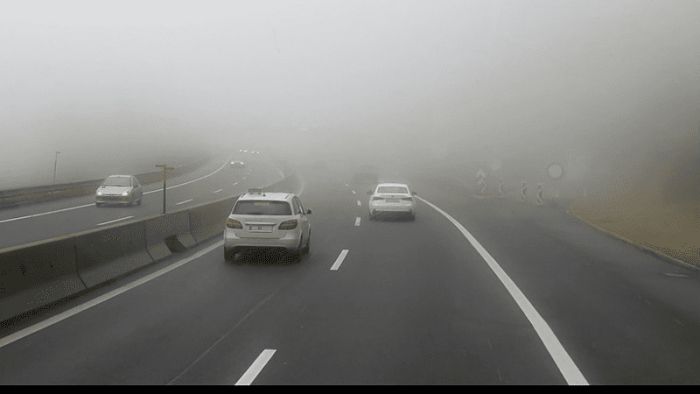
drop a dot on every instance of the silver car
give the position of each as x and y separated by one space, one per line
392 198
119 189
267 220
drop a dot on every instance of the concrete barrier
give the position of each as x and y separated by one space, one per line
109 253
168 233
208 221
38 274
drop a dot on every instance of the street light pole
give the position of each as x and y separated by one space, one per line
165 169
55 164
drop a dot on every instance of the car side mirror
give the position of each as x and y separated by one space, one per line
308 212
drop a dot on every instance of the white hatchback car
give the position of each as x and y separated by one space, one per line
391 197
267 220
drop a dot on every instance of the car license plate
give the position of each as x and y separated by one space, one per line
260 228
392 200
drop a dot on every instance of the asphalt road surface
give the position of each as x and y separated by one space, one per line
540 298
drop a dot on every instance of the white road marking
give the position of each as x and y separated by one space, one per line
353 192
359 204
103 298
188 182
339 260
185 202
235 183
244 178
217 191
561 358
357 221
47 213
93 204
114 221
257 366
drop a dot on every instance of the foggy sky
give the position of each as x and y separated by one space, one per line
426 80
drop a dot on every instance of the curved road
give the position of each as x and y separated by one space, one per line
406 303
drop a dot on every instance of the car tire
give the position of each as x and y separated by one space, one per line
98 205
139 201
412 217
307 248
229 255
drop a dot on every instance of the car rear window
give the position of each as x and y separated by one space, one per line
392 189
262 208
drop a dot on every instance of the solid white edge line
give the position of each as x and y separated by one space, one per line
116 220
185 202
218 191
105 297
255 368
357 221
189 182
46 213
561 358
339 260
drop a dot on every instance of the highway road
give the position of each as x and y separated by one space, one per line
213 181
474 291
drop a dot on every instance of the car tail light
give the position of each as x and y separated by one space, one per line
288 225
233 223
376 198
407 198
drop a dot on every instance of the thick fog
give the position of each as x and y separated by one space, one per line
118 86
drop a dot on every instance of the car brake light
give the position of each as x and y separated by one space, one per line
407 198
376 198
288 225
233 223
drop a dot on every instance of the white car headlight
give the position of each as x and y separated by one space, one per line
99 192
125 194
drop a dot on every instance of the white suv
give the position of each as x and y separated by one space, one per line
391 197
267 220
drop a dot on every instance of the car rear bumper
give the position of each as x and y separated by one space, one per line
376 208
290 241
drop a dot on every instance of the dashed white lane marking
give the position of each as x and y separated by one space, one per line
93 204
359 204
257 366
339 260
103 298
116 220
357 221
185 202
561 358
235 183
217 191
353 192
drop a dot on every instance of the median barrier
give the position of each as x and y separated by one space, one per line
109 253
38 274
168 233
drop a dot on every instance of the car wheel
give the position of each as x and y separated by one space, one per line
98 205
139 201
307 248
412 216
229 255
